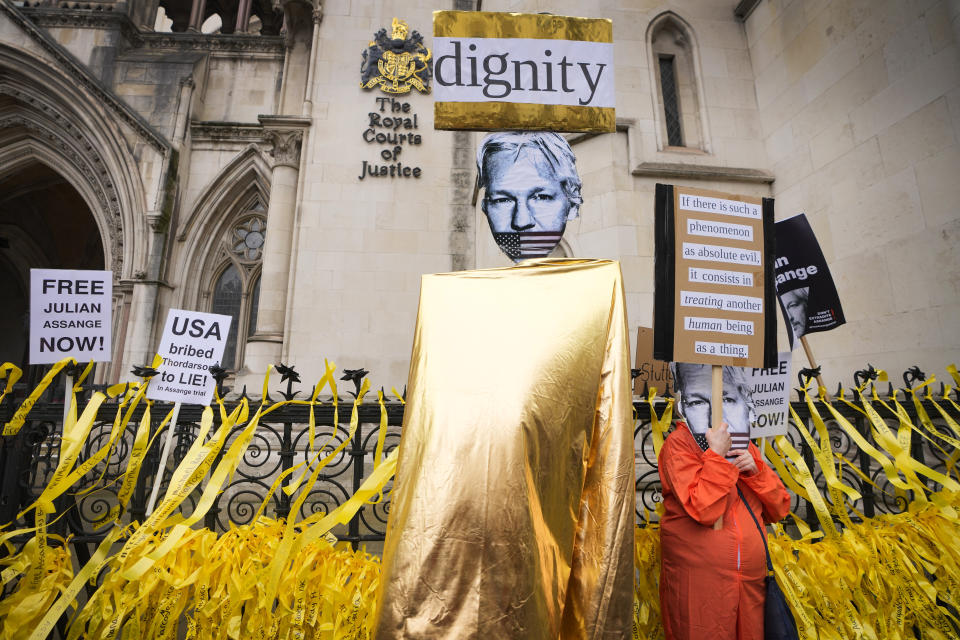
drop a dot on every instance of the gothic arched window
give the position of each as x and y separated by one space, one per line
236 284
675 71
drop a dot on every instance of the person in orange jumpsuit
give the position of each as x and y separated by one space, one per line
712 583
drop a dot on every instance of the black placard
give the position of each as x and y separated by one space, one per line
808 298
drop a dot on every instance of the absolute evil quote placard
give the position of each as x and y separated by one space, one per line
715 246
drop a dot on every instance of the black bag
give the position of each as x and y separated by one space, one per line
778 622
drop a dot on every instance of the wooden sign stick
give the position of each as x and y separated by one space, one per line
716 413
162 467
810 359
67 398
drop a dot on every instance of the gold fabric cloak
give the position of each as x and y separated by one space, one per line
512 511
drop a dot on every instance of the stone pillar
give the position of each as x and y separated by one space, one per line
187 86
196 15
463 178
314 52
138 347
284 134
243 17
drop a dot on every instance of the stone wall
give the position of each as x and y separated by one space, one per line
363 244
847 110
860 112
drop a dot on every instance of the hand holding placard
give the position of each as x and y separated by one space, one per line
718 437
745 463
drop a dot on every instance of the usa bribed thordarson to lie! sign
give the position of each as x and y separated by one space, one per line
192 341
496 71
714 300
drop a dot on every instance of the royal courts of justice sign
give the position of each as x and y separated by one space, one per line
495 71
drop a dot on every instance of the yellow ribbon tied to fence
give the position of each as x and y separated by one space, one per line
883 577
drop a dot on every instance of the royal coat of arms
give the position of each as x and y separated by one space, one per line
396 62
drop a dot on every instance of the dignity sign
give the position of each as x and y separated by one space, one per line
495 71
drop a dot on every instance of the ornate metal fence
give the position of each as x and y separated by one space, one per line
28 460
878 494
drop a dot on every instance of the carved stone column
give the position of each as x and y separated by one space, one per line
243 17
284 135
146 283
314 52
197 12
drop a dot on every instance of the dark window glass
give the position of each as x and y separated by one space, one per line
254 303
227 298
671 105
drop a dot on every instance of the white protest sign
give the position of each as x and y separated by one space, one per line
771 397
70 315
192 342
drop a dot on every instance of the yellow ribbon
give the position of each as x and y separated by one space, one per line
659 426
878 578
12 373
20 415
91 569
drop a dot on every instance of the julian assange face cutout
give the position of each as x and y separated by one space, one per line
531 191
693 382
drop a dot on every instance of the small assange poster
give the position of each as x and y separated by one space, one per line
770 390
192 342
808 297
495 71
70 315
650 372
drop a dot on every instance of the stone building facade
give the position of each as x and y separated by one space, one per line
211 154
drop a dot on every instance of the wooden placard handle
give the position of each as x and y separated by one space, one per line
716 413
810 358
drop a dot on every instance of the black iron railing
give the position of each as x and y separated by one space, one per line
28 461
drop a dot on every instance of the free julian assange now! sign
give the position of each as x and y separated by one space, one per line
522 71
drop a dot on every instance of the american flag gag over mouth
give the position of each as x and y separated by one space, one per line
520 245
740 442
